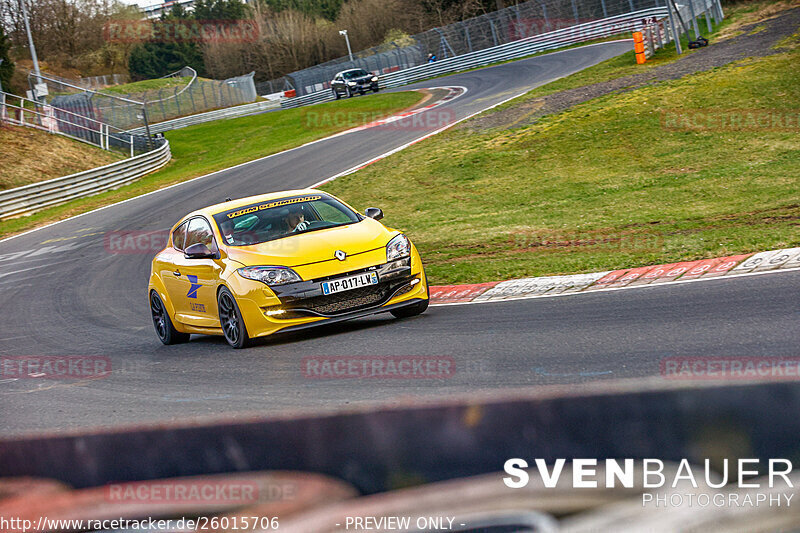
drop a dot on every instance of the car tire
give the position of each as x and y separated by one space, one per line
362 92
336 94
230 320
417 308
165 329
376 89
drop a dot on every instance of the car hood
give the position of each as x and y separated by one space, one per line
315 246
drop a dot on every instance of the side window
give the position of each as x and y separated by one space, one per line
199 231
179 236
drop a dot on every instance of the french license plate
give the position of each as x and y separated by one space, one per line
352 282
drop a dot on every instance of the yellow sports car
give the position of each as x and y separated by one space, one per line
281 262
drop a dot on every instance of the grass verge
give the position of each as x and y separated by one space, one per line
619 181
736 16
205 148
147 85
55 156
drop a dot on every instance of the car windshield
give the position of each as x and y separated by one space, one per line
358 73
283 217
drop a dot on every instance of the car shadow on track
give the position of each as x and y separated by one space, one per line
319 332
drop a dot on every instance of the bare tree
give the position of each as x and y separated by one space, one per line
69 33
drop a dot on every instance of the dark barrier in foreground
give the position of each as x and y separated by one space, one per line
430 443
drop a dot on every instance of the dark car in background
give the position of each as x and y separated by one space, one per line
350 82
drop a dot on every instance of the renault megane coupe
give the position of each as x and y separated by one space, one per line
281 262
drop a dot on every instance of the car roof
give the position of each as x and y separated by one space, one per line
349 70
221 207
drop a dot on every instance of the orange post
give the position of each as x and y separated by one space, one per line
638 47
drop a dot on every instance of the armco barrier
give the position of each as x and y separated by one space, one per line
513 50
210 116
36 196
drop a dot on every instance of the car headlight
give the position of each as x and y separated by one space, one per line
271 275
351 83
374 78
398 247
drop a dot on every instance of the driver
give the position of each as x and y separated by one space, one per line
226 228
296 220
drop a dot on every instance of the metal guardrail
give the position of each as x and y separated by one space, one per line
218 114
28 199
520 20
513 50
31 114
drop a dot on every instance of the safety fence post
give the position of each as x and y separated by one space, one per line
177 101
694 20
675 34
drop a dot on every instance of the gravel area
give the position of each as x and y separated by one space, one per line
756 40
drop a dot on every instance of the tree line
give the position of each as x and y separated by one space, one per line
291 35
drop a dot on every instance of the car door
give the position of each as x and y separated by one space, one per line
168 267
195 281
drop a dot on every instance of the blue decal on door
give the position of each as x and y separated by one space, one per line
193 289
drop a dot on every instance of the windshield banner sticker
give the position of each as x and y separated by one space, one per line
269 205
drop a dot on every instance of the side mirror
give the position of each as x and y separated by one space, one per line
374 212
198 251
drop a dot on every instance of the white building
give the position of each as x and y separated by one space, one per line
154 11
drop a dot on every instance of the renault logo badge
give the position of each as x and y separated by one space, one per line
340 255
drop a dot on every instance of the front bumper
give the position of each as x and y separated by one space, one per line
364 86
299 305
351 315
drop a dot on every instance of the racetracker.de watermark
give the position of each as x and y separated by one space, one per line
548 240
787 120
181 31
378 367
414 121
55 367
153 242
730 368
201 491
135 242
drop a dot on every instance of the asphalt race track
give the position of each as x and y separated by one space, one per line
63 293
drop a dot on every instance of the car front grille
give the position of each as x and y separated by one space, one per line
351 300
345 302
